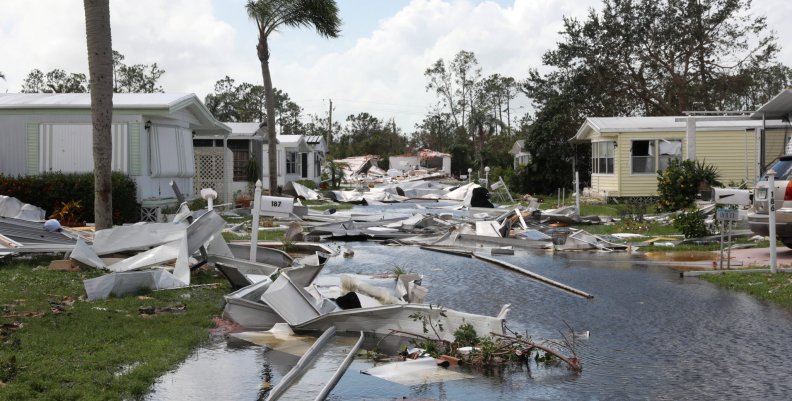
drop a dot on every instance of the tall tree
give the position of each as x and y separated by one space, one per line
100 67
55 81
669 56
136 78
647 57
365 134
271 15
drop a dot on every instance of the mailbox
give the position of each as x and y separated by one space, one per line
731 196
276 206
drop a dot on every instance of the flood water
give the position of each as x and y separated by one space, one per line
653 335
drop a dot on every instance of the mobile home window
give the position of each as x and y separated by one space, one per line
602 156
653 155
291 162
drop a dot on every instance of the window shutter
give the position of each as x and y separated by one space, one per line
32 148
134 149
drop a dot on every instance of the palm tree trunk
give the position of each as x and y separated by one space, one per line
100 67
269 104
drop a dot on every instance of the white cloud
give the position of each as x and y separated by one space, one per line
181 36
197 42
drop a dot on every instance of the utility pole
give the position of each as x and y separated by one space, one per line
330 123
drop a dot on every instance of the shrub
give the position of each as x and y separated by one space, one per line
50 191
679 183
307 183
691 224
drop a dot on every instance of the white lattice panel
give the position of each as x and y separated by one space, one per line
209 172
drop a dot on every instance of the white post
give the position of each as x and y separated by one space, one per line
772 219
255 224
690 136
470 175
486 176
210 203
577 192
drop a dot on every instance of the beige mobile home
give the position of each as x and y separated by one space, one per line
627 152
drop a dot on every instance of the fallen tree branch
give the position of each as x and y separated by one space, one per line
573 363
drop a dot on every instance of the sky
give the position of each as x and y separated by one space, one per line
376 66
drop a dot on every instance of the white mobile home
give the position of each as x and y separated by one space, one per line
294 157
222 162
152 137
319 150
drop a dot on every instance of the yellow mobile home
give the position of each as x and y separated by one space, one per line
627 152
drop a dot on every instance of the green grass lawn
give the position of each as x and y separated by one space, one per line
98 350
322 206
776 288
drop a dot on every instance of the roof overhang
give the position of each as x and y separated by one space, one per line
149 104
779 107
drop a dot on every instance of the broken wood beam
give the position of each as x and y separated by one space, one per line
533 275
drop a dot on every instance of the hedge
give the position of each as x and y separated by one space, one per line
50 191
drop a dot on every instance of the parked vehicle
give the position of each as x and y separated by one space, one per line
758 216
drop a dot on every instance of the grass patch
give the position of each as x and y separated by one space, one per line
275 235
595 209
322 206
628 226
776 288
681 248
97 350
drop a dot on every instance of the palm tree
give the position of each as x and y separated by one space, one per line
100 67
271 15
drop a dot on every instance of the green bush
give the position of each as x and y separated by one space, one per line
691 224
50 191
679 183
307 183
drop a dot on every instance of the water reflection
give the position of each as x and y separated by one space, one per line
653 335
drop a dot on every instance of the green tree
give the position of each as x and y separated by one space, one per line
224 102
469 111
669 56
318 125
365 134
136 78
271 15
245 103
55 81
100 66
288 114
649 57
436 132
